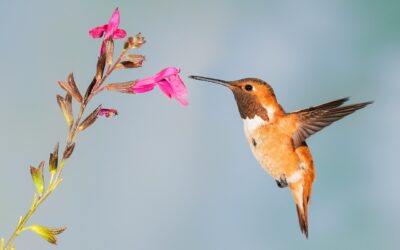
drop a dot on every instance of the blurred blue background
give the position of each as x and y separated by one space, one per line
164 176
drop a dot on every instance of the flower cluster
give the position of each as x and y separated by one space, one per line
168 79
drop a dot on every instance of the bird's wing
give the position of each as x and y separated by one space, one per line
313 119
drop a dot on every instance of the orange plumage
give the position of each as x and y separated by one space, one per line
278 139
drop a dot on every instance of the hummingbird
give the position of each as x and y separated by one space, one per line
278 139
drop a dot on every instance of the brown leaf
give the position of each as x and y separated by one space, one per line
69 150
90 119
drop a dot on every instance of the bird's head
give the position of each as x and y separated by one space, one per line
252 95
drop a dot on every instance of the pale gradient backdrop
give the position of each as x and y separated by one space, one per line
164 176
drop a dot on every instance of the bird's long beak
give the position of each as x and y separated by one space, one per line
213 80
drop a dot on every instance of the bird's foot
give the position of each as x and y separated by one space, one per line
281 182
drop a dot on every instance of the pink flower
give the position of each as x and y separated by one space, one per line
107 112
109 30
169 82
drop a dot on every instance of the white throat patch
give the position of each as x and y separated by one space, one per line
270 111
252 124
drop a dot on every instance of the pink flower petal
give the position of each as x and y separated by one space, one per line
152 80
167 72
113 24
98 31
143 88
109 30
182 101
119 33
177 85
166 88
169 82
160 76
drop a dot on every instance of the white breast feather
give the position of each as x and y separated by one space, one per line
252 124
270 111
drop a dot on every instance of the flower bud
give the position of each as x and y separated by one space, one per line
46 233
131 61
134 42
53 161
108 112
90 119
38 178
66 107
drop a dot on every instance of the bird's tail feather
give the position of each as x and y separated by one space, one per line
301 191
302 213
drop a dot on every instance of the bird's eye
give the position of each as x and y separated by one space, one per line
248 87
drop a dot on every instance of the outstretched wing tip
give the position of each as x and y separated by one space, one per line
316 118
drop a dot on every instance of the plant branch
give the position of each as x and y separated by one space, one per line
55 179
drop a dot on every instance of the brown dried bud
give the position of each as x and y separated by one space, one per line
64 85
71 88
66 108
134 42
68 151
109 51
128 42
90 119
53 161
74 89
132 61
124 87
101 63
89 90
